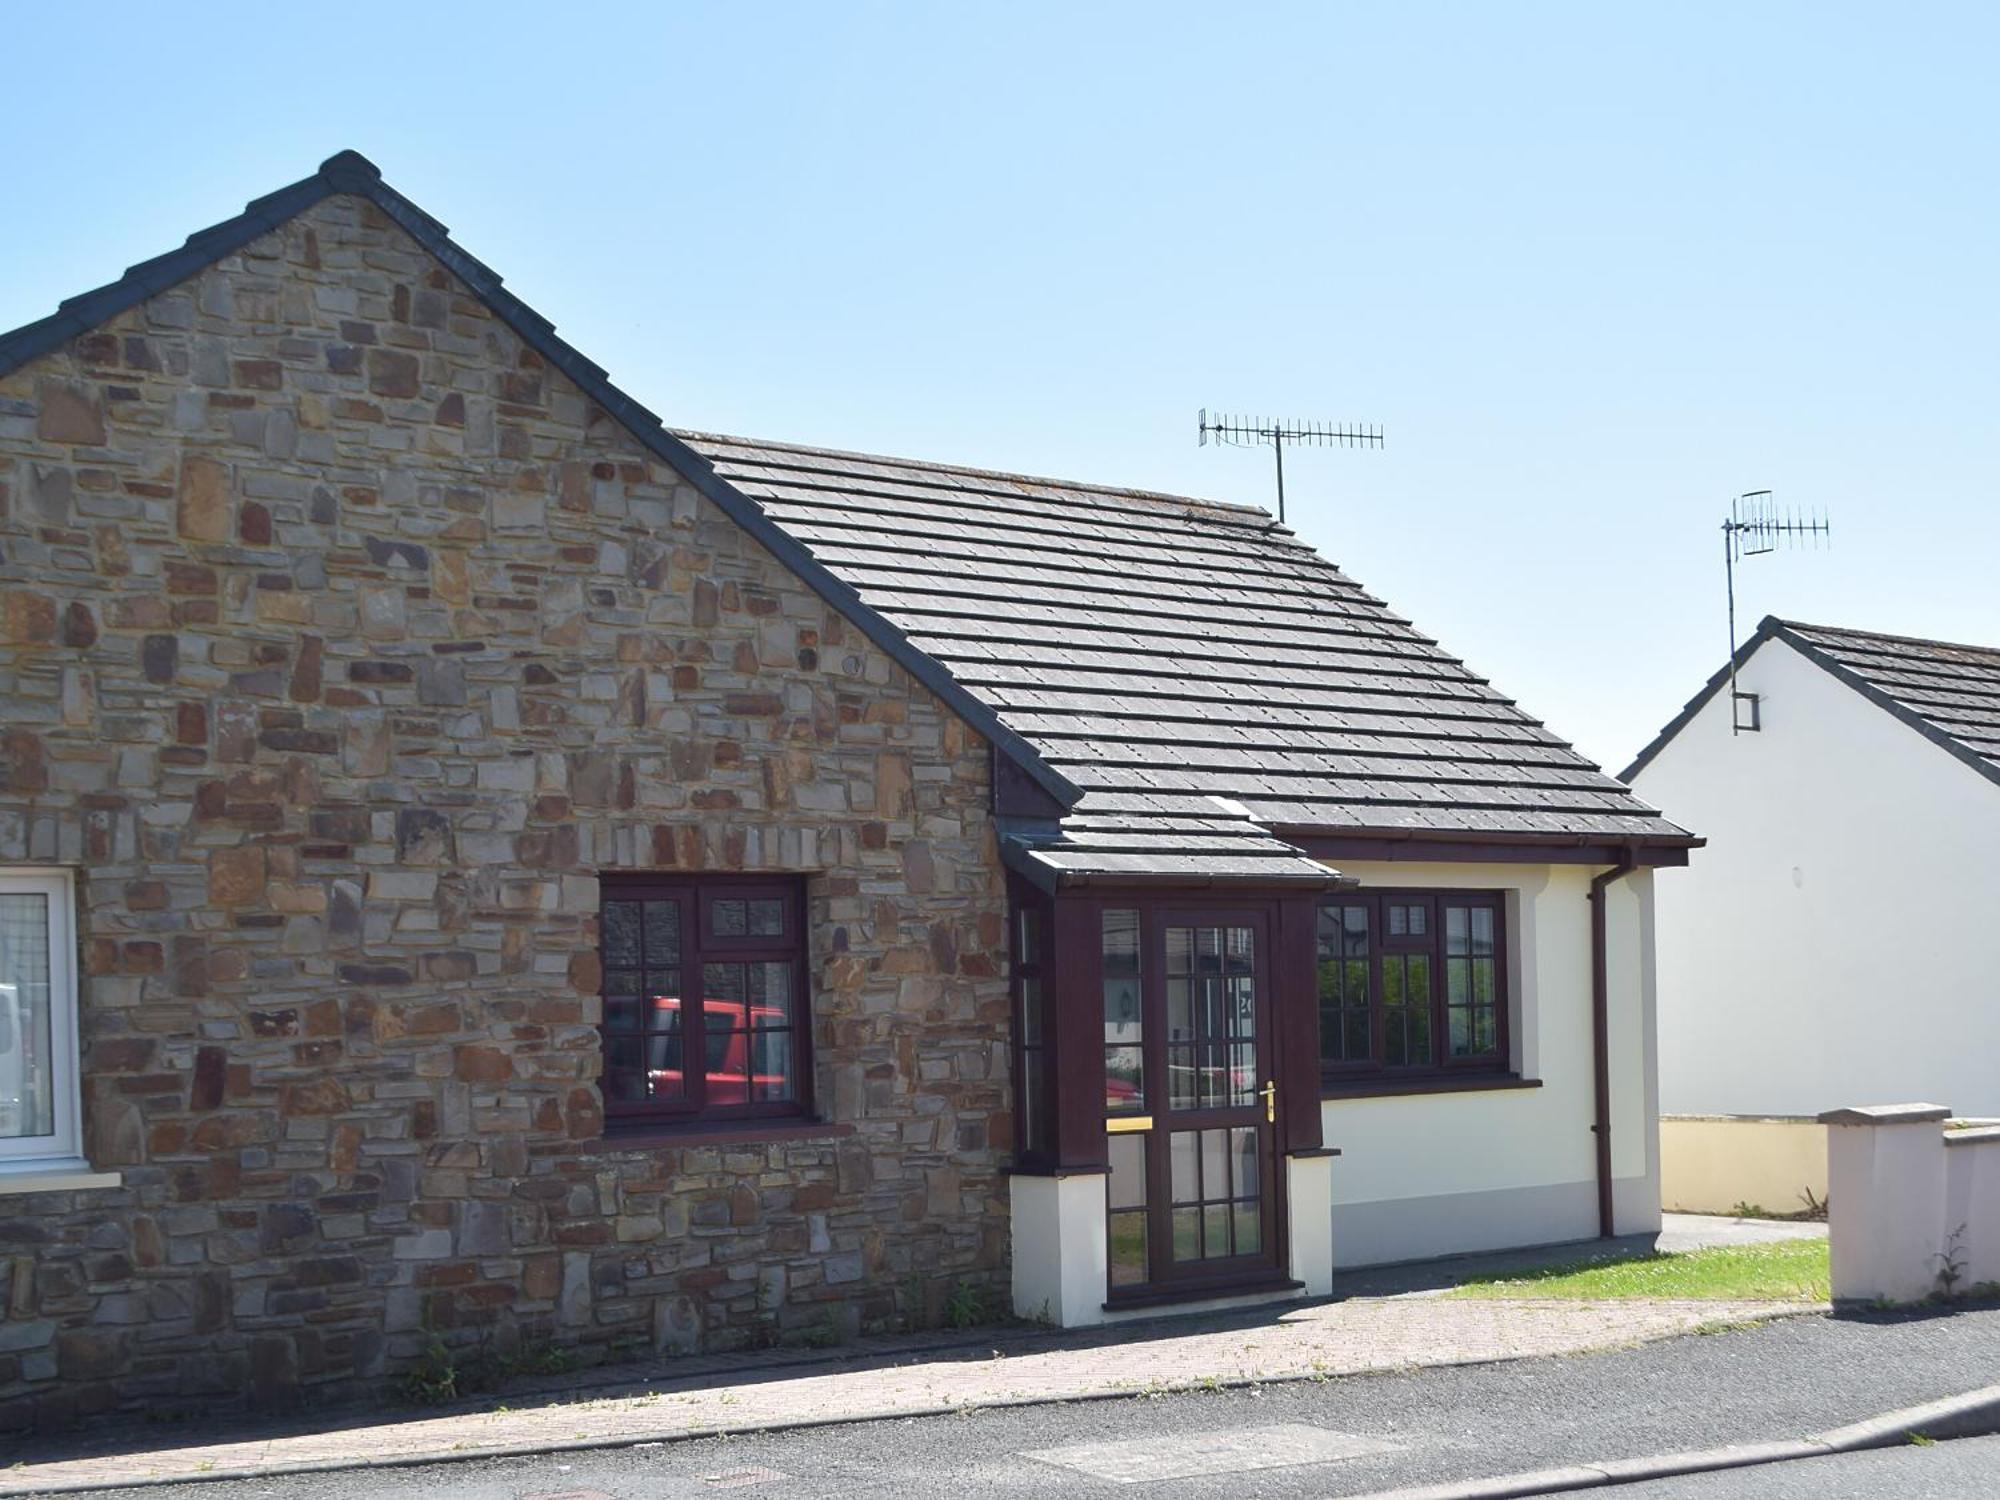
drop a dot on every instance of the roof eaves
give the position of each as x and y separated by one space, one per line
1839 670
352 173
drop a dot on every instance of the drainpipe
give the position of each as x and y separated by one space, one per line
1600 1030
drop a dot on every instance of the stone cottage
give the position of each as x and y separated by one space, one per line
480 867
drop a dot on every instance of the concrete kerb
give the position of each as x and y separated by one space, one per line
1973 1414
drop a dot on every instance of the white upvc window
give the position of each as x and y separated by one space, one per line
41 1117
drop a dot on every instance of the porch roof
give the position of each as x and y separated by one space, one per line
1198 671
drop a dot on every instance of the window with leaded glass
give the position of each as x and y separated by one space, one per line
704 992
1411 982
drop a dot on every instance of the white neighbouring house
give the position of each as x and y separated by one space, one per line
1841 945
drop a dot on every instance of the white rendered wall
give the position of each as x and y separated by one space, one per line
1833 943
1437 1174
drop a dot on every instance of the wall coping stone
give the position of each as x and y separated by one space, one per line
1886 1114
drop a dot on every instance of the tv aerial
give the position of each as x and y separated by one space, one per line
1258 432
1756 525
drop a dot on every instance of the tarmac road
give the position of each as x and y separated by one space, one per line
1338 1438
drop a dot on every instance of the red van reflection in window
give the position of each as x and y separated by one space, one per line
748 1047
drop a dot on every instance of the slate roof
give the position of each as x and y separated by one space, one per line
1187 683
1948 693
1199 672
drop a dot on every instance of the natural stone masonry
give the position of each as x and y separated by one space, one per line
342 645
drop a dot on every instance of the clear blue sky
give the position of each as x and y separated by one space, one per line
1593 267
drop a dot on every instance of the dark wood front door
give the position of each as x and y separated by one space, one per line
1200 1154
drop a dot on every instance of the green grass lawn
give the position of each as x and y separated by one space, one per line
1786 1271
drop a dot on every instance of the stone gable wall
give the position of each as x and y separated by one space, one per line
342 645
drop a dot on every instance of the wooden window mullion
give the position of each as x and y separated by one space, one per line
694 1007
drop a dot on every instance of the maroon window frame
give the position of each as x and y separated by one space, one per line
1030 950
740 943
1412 984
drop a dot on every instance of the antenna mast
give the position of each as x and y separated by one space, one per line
1754 526
1256 432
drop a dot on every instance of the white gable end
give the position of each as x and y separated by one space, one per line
1838 942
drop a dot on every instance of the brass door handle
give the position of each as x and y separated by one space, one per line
1270 1093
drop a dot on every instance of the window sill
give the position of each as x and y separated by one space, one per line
714 1133
55 1177
1388 1088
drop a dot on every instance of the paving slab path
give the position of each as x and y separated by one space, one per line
1399 1331
1390 1318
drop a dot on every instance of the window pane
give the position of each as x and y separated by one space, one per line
1240 949
1417 917
1183 1074
1243 1157
621 1012
1121 942
1124 1079
1249 1229
1485 1031
767 917
663 932
1186 1166
1127 1187
663 1001
1187 1233
1406 1010
1215 1231
1121 1011
27 1080
1128 1248
1458 981
1214 1165
620 924
1243 1073
1461 1031
1034 1106
729 918
1180 1008
724 983
1030 938
770 996
772 1077
1417 989
1031 1011
1208 950
1457 929
1399 921
1482 930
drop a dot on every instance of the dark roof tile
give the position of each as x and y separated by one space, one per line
1947 692
1180 661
